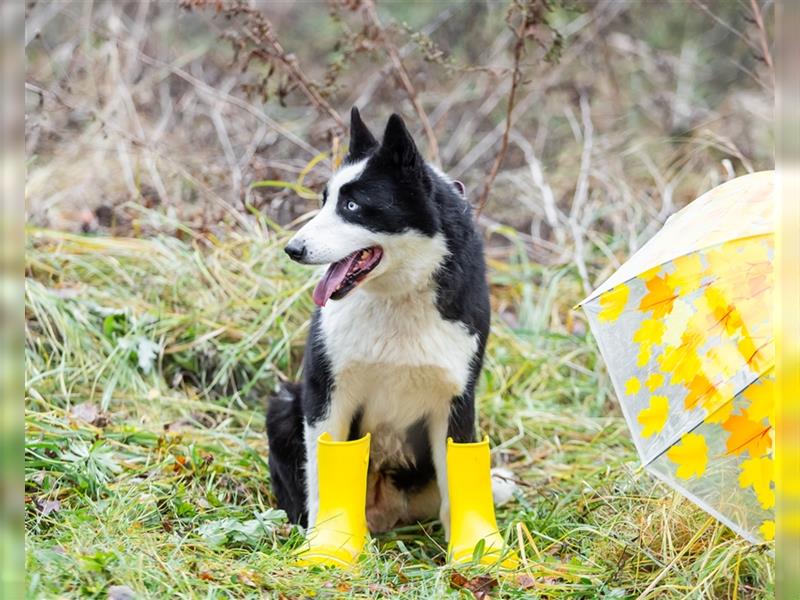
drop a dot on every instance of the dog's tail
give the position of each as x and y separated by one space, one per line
287 451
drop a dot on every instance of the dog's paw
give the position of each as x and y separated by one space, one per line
503 485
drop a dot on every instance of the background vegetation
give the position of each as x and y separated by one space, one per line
170 149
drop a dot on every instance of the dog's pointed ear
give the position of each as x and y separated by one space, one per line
398 145
361 138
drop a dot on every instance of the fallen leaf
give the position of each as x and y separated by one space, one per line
86 411
121 592
481 586
525 581
49 506
457 580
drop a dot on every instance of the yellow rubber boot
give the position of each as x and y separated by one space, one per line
469 482
340 531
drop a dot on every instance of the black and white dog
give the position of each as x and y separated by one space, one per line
397 342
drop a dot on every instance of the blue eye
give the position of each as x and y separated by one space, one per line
352 206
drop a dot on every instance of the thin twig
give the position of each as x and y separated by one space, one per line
405 80
762 38
582 192
263 31
723 23
516 77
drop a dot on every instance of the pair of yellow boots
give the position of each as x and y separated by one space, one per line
340 532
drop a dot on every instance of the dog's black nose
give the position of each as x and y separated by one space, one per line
296 250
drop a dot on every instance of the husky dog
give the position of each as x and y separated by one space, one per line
397 343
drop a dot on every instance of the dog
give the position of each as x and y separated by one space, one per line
396 344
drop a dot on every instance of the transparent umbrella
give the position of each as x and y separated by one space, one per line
685 328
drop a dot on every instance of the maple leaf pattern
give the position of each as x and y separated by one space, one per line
659 298
762 401
746 435
650 332
767 529
702 331
613 303
691 456
758 473
699 389
654 416
632 386
654 381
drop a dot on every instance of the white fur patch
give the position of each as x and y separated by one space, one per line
391 352
312 434
327 237
503 485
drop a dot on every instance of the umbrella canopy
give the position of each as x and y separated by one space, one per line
685 328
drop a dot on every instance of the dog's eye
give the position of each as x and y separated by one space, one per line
324 196
352 206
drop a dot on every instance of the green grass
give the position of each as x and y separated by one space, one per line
169 347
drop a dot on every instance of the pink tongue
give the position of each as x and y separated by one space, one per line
333 277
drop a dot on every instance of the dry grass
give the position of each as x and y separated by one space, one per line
159 310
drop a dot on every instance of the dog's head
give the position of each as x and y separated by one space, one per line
378 224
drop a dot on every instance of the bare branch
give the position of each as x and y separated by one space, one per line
405 80
516 77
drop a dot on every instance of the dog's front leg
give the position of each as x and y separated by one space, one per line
437 430
337 424
457 422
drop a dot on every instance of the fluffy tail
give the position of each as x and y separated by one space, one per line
287 451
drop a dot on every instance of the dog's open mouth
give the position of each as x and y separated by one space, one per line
344 275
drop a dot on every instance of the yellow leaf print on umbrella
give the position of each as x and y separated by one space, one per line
691 456
758 473
685 329
632 386
654 416
613 303
654 381
767 530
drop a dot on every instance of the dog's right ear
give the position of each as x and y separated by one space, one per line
361 139
398 145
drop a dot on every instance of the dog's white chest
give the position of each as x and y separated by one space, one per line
395 357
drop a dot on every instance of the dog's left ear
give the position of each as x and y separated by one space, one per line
361 139
398 145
